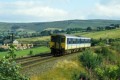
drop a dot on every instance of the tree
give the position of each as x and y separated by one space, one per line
89 29
9 70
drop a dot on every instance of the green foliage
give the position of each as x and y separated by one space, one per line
90 59
11 52
116 45
2 49
105 51
31 52
108 72
9 70
83 76
100 72
95 42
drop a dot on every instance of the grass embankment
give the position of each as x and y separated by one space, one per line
64 70
34 39
26 52
115 33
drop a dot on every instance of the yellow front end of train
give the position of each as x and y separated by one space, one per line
57 44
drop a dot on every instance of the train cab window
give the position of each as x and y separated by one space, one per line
53 38
62 39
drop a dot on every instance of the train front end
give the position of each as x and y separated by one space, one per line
57 45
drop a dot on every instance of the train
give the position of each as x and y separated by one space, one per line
61 44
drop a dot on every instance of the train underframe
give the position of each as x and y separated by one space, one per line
60 52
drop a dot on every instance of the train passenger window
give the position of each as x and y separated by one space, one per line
79 40
85 40
68 41
89 40
71 41
74 40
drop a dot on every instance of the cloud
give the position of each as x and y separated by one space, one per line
110 9
32 9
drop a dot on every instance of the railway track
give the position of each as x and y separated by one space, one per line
33 60
28 62
44 65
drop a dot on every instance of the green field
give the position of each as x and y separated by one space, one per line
115 33
26 52
34 39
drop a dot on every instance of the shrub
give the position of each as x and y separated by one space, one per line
90 59
105 51
2 49
31 52
83 76
109 72
9 70
116 45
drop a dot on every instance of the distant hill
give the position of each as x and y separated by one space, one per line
39 26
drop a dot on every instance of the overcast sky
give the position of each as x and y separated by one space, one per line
55 10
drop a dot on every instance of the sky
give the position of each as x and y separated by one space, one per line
57 10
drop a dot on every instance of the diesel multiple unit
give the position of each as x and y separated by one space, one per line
62 44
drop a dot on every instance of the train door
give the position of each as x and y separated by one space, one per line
58 42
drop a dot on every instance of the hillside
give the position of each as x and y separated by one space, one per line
115 33
39 26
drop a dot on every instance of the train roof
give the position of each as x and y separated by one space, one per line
72 36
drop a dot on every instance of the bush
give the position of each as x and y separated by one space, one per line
9 70
31 52
105 51
90 59
116 45
109 72
83 76
2 49
100 42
